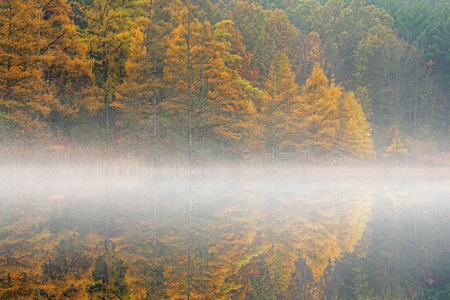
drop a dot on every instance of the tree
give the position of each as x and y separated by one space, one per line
208 101
236 56
312 53
63 58
299 11
108 36
318 115
250 20
185 66
395 77
143 89
279 102
42 64
341 29
354 133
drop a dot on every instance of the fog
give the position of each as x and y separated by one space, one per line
228 232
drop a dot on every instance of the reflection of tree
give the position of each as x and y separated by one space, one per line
396 258
312 229
42 253
407 244
247 241
329 226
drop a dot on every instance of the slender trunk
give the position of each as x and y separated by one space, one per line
8 80
107 116
155 129
189 68
188 37
340 126
8 255
415 116
107 225
39 33
105 66
203 87
396 100
106 96
154 98
338 207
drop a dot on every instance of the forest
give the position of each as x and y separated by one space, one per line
281 80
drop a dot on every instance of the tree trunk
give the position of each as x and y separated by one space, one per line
39 32
105 87
189 68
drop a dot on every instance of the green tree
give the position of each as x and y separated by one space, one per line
341 29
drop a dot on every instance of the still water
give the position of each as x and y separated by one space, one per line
233 235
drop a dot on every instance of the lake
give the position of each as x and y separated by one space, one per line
299 233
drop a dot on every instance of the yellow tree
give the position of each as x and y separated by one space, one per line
235 94
281 96
312 53
332 122
236 56
318 115
24 101
142 92
354 134
107 35
135 92
61 54
42 62
208 101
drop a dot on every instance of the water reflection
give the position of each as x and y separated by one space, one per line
211 238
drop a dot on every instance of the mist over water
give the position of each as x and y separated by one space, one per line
224 233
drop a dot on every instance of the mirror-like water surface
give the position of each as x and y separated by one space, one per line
233 236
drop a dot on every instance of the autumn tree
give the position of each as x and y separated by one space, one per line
208 99
354 131
312 53
280 100
106 30
43 64
236 56
143 89
331 121
392 71
318 115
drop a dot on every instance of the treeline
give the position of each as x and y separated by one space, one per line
300 79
